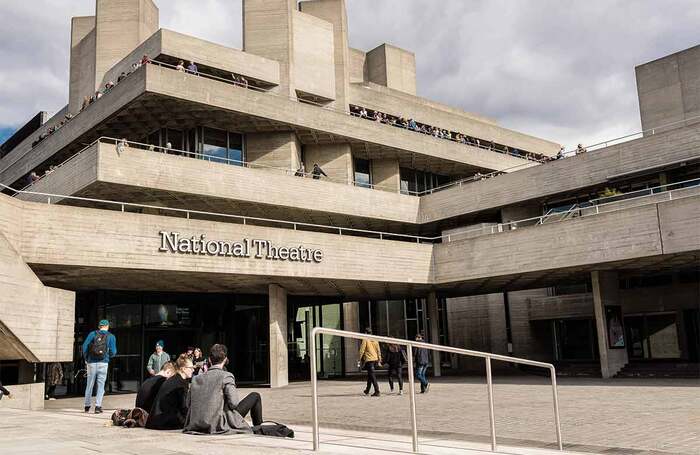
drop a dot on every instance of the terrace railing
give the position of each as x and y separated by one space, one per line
488 357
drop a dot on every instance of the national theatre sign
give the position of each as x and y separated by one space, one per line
172 242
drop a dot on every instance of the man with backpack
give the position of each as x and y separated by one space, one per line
98 348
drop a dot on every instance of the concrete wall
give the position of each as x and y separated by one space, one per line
314 56
25 396
335 12
334 159
392 67
605 293
386 175
36 322
120 26
358 68
669 89
278 150
267 32
82 61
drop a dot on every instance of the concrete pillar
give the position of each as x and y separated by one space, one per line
606 293
279 369
334 159
432 304
273 150
386 175
351 322
392 67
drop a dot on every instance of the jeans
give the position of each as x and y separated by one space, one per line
96 372
420 374
396 371
251 403
371 377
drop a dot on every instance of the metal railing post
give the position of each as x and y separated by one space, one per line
314 391
557 422
412 397
492 417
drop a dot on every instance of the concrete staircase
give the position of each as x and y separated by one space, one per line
681 370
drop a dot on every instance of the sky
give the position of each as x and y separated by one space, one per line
558 69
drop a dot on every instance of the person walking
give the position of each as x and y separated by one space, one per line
54 377
98 348
371 356
422 358
157 359
394 360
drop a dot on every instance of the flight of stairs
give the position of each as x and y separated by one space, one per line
660 370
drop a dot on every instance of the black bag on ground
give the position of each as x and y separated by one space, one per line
119 417
273 429
130 418
98 346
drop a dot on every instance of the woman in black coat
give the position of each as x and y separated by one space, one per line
169 409
394 359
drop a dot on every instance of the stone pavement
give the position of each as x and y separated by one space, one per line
611 416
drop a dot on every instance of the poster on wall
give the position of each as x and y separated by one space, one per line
616 334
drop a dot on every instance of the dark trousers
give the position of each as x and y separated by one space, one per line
251 403
395 372
51 391
371 376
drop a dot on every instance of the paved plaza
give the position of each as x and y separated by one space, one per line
620 416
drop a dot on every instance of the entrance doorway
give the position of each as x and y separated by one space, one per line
653 336
139 319
330 351
575 340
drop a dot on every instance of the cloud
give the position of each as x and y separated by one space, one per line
558 69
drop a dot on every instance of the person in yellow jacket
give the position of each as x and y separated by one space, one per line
371 356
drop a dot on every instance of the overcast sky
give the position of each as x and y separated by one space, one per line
558 69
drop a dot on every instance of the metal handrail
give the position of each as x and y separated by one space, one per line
576 207
411 385
382 235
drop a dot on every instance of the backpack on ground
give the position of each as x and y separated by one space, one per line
273 429
130 418
98 346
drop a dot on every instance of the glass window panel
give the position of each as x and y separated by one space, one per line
363 176
420 181
382 315
215 144
235 149
176 139
397 326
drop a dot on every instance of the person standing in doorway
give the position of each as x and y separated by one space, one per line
422 357
98 348
371 356
157 359
394 360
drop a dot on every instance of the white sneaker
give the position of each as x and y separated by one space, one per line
400 392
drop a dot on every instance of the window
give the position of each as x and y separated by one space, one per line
363 177
222 146
413 181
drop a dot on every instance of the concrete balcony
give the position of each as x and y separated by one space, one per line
155 178
646 155
154 97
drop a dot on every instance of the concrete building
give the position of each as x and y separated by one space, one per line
175 195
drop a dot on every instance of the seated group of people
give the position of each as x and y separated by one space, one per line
207 403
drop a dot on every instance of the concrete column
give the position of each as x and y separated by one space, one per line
432 305
279 369
386 175
334 159
605 292
351 322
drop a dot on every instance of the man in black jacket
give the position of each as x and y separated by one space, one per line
422 359
169 409
149 389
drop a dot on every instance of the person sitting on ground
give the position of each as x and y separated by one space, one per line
372 358
192 68
180 66
580 149
317 172
213 404
149 388
4 391
157 359
169 409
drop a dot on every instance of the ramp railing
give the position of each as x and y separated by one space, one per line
488 357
